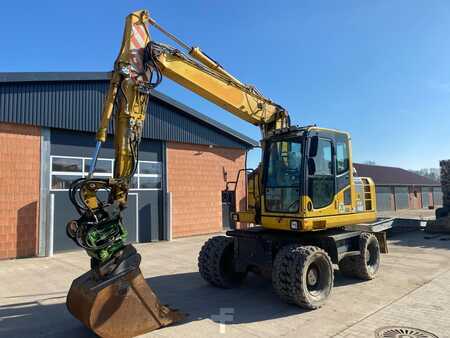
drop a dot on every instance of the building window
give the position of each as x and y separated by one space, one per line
66 169
102 166
149 175
67 164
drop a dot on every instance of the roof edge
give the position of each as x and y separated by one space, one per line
53 76
11 77
380 168
204 118
408 185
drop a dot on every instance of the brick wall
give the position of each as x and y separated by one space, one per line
196 180
19 190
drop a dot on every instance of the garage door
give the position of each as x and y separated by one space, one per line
415 197
64 211
437 196
401 197
426 196
384 198
70 160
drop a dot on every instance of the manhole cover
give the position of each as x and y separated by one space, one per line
403 332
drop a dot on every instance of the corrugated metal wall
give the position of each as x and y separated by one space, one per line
385 198
427 199
437 196
401 197
412 197
77 105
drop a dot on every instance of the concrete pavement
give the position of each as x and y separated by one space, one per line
412 289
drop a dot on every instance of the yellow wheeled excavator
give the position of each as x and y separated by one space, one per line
299 199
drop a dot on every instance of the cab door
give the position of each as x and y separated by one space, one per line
320 176
328 180
343 177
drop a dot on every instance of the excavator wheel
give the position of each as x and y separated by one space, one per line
442 212
365 265
123 306
216 263
303 275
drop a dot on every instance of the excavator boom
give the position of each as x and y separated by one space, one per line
206 77
241 100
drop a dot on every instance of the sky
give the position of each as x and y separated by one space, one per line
377 69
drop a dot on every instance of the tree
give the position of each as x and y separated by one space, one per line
431 173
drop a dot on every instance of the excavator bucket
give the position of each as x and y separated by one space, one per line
123 307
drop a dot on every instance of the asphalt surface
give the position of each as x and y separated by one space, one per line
412 289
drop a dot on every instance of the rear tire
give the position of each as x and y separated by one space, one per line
216 263
303 275
365 265
442 212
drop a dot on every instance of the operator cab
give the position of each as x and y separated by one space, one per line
307 181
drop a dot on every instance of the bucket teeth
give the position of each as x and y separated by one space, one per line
126 306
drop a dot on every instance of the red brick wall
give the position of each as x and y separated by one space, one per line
19 190
196 180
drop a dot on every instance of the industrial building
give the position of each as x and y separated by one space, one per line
47 134
399 189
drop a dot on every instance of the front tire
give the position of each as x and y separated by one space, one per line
216 263
303 275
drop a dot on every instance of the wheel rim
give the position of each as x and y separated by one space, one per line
372 256
317 278
312 276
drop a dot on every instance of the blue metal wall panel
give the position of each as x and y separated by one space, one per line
65 105
77 105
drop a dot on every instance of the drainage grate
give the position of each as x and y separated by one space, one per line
402 332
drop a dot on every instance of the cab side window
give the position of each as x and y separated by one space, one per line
342 160
343 167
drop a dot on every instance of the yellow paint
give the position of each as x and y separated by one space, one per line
336 214
205 77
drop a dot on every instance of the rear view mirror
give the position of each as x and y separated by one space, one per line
313 145
311 166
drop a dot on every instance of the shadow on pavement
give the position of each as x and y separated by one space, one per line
254 301
419 239
38 319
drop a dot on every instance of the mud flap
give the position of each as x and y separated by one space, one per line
124 306
381 237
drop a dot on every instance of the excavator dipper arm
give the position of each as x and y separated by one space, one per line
112 298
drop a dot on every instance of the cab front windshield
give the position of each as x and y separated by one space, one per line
283 176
